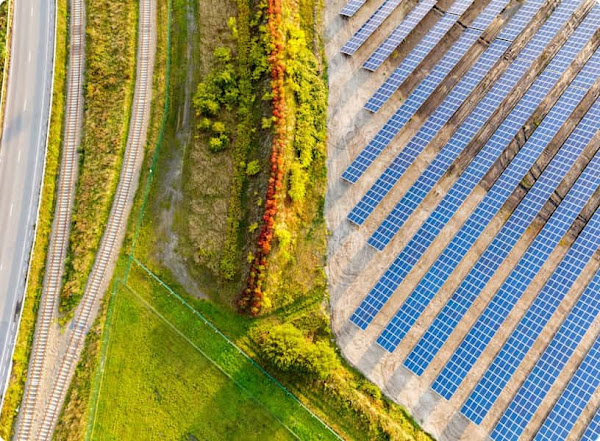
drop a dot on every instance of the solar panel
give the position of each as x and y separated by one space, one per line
515 285
352 7
418 54
573 400
414 101
550 364
592 433
427 180
370 26
427 132
463 297
411 254
399 34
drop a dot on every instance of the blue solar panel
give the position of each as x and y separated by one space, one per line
350 9
399 34
463 297
411 254
572 401
592 433
411 200
415 100
429 130
550 364
517 282
418 54
370 26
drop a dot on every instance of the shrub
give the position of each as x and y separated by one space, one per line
218 127
253 168
284 347
320 360
218 143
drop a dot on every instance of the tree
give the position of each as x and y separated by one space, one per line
320 360
284 347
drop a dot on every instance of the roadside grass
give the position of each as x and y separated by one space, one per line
111 32
14 393
169 375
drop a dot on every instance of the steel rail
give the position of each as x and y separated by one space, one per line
117 222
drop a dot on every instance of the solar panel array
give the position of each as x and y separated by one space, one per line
370 26
444 212
416 56
468 129
532 261
538 145
551 362
484 269
399 34
414 101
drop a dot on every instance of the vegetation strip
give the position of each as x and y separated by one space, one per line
251 300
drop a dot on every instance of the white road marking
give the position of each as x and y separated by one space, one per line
11 209
19 156
25 105
31 11
29 57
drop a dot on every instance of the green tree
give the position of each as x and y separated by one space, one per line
284 347
320 360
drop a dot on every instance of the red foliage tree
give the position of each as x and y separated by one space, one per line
251 299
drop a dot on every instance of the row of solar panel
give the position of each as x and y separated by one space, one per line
463 187
561 419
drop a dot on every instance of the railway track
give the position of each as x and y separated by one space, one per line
59 238
43 428
117 222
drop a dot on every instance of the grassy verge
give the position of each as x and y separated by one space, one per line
111 29
14 392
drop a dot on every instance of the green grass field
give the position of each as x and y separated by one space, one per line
159 384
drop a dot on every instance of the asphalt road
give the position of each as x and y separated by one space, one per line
22 153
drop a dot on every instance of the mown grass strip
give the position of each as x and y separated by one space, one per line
14 393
